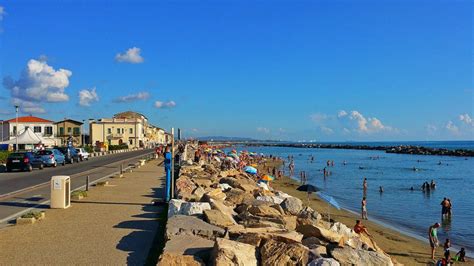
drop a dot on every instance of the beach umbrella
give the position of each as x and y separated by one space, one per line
217 159
267 178
330 200
253 165
234 155
250 170
308 188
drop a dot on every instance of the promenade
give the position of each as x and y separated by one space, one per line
116 224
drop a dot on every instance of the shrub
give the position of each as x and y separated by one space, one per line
118 147
82 193
3 156
32 214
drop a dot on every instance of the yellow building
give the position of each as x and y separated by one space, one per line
70 130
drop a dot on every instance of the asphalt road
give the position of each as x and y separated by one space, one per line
96 168
10 182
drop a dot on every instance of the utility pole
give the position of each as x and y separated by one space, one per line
82 132
16 133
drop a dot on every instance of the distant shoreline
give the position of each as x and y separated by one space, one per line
397 149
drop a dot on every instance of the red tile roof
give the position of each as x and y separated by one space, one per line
29 119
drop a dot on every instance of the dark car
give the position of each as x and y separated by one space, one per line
24 161
70 154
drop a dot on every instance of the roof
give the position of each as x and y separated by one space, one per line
70 120
29 119
129 114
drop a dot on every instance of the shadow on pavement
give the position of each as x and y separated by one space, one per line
24 205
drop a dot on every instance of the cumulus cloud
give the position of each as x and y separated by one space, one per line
341 113
451 127
363 124
263 130
38 83
132 55
86 97
169 104
466 119
133 97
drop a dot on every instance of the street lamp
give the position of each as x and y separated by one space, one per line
16 133
82 132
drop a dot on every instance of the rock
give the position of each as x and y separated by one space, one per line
279 253
233 182
217 218
321 233
312 242
271 199
219 205
324 262
194 208
174 207
309 213
171 259
215 194
290 222
292 205
282 195
210 169
342 229
231 172
236 196
318 252
204 183
264 211
184 186
225 187
248 187
263 186
190 245
254 236
190 225
228 252
351 256
198 193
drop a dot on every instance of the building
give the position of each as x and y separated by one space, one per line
42 127
124 128
70 130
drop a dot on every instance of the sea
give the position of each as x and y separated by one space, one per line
398 207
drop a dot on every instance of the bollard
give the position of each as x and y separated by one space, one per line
87 183
121 169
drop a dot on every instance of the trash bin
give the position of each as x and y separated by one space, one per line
60 192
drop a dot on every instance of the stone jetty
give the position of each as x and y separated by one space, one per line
224 217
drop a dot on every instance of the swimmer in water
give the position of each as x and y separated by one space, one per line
380 189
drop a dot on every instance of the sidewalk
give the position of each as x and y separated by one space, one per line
116 224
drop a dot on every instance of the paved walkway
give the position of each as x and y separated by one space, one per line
116 224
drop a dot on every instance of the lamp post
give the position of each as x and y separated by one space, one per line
16 133
82 132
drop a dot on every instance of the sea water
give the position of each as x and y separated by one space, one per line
399 207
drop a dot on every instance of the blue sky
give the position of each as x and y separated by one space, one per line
293 70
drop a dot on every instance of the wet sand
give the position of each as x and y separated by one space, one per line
405 249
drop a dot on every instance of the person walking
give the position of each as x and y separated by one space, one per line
364 208
433 238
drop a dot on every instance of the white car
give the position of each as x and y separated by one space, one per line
83 154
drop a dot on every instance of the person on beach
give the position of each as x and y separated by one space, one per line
444 207
364 184
447 245
364 208
449 208
461 255
433 238
359 228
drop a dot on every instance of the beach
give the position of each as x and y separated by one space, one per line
405 249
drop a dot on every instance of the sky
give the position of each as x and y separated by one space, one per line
283 70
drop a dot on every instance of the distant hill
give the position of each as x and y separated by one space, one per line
223 138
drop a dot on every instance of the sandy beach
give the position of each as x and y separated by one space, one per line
405 249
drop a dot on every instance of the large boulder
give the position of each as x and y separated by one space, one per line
264 211
184 186
210 169
233 182
290 222
310 230
172 259
292 205
190 245
194 208
204 183
174 207
271 199
218 218
228 252
324 262
342 229
190 225
249 188
309 213
312 242
236 196
215 194
254 236
350 256
280 253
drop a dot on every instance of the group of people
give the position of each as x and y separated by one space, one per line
434 243
428 186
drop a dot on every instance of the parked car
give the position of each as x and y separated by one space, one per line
52 157
83 154
70 154
24 161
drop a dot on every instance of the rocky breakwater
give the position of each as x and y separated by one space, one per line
227 218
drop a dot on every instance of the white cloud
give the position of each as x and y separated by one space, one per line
2 12
263 130
327 130
341 113
133 97
132 55
318 117
38 83
451 127
169 104
86 97
466 119
363 124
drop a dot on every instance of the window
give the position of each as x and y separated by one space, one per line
48 131
109 131
123 130
14 130
37 129
110 142
61 131
130 141
77 131
69 130
118 130
130 131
